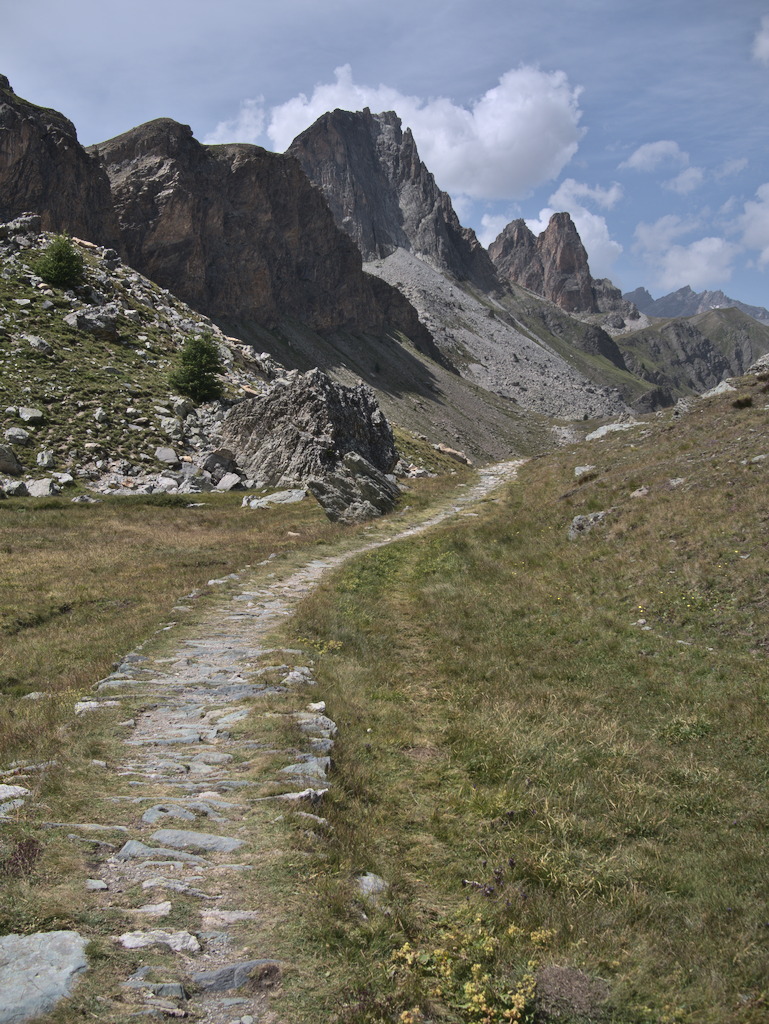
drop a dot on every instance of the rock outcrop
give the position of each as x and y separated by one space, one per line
45 170
307 429
384 197
553 264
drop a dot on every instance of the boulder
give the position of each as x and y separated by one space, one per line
278 498
167 455
43 488
255 974
229 482
354 492
580 525
8 462
98 320
15 489
19 436
307 428
39 345
31 416
218 463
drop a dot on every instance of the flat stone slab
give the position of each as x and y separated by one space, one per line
177 941
12 792
257 974
134 850
183 839
36 971
153 814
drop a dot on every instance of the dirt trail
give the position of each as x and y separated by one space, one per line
194 804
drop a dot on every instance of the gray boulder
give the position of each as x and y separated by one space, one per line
39 345
100 321
8 462
32 416
36 971
580 525
15 488
167 455
43 488
308 429
356 491
303 426
19 436
184 839
219 463
255 974
229 482
278 498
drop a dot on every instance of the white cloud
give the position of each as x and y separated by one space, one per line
761 42
687 181
518 135
570 193
730 167
247 126
538 225
654 239
701 264
653 154
491 226
754 223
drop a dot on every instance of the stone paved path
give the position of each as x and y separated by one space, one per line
194 795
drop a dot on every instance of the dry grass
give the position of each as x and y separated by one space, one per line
587 776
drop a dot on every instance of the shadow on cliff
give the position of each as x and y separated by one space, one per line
413 390
384 362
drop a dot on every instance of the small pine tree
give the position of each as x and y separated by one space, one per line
61 263
196 371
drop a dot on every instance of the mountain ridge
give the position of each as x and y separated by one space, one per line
686 302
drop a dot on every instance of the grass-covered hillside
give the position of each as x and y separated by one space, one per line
555 751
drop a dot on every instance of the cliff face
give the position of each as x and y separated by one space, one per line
235 230
553 264
45 170
384 197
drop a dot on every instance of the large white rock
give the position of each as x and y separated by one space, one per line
36 971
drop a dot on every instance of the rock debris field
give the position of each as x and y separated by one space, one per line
190 797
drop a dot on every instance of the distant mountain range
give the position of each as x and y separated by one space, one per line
686 302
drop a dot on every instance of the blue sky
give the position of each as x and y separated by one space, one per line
647 120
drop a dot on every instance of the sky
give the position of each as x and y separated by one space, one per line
647 120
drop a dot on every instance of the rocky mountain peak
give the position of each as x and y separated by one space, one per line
554 264
381 193
45 170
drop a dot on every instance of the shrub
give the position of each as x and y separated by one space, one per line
196 372
61 263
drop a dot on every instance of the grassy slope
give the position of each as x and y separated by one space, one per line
507 720
728 330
